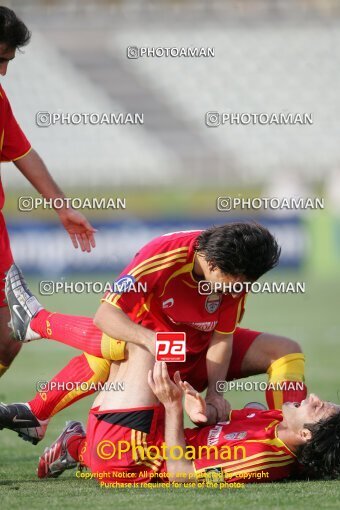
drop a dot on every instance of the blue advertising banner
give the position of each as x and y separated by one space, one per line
40 247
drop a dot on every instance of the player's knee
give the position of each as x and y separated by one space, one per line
97 321
285 346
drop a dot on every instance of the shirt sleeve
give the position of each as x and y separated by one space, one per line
151 266
231 313
14 144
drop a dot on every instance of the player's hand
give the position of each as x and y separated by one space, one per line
167 392
79 229
218 407
194 404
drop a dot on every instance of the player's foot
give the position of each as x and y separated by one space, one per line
23 306
57 458
20 419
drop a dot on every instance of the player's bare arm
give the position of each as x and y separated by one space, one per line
116 324
218 360
79 229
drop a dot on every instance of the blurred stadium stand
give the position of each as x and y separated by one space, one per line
272 56
266 61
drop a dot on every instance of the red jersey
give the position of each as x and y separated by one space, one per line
244 450
170 300
13 143
252 452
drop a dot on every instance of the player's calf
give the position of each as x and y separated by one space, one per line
8 348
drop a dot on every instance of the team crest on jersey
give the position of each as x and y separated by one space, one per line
236 435
125 283
212 303
214 474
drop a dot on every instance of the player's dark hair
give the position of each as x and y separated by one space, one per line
320 456
13 32
240 249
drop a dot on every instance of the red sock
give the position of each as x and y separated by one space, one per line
65 388
296 392
293 392
74 446
286 380
73 330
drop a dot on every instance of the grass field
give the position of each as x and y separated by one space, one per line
311 318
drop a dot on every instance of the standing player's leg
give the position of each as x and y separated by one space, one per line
280 357
8 348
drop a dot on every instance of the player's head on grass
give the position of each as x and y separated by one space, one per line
13 35
315 428
237 252
321 455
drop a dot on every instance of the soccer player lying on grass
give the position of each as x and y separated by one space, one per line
171 266
137 435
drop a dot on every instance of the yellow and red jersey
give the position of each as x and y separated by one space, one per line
250 440
170 300
244 450
13 143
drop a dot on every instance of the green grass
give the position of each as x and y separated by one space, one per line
312 319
